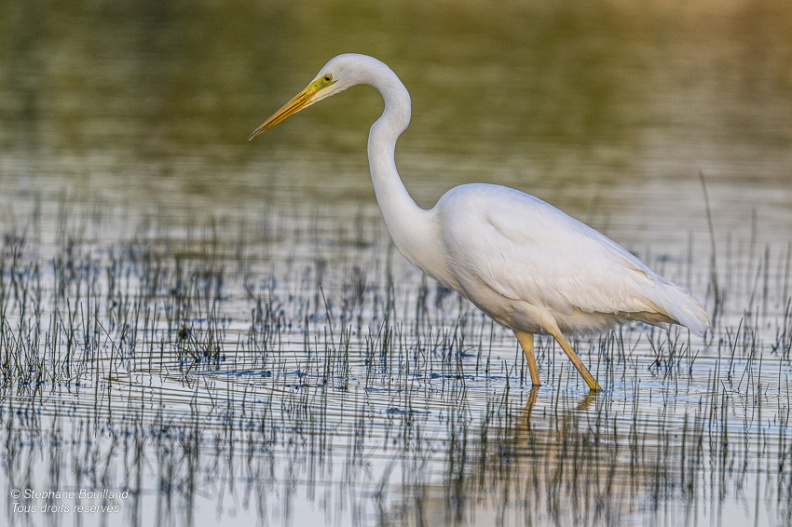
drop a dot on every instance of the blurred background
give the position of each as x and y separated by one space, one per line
609 109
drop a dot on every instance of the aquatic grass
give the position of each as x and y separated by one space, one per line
227 367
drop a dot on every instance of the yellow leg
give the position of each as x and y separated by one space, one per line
526 340
590 380
528 410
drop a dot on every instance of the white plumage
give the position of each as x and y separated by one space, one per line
574 274
528 265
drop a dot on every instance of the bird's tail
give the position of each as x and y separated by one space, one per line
679 304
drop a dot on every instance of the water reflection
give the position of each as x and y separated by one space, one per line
223 330
216 372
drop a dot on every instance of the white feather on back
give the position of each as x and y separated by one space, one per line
527 250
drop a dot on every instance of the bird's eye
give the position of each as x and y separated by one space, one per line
327 78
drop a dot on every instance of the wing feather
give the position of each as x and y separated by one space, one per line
525 249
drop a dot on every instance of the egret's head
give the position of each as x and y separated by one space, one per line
334 77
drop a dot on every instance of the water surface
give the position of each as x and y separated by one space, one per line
221 331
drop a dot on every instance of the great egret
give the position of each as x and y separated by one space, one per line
529 266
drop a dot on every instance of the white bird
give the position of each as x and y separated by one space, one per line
528 265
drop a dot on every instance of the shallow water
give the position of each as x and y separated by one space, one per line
236 377
223 332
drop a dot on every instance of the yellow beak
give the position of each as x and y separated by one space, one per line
302 100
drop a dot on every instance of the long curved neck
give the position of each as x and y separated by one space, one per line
408 224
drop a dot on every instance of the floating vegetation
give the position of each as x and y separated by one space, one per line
276 373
